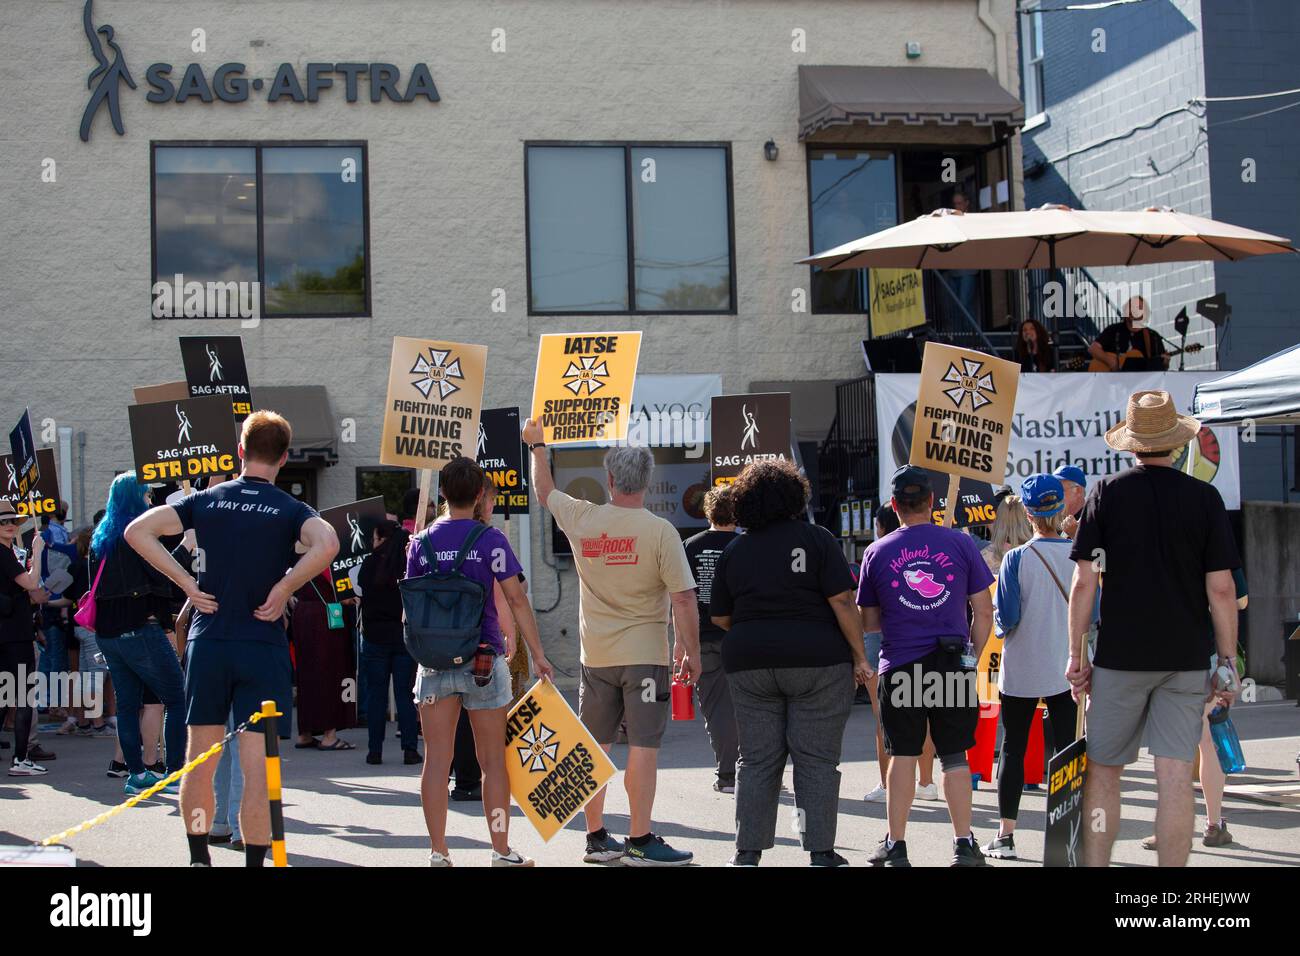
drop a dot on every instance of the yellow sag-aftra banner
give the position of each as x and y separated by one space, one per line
897 300
583 388
554 763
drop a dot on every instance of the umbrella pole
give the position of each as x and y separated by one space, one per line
1056 322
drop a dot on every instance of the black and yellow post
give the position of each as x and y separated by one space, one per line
278 855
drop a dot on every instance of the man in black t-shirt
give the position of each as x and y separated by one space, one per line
703 551
237 654
1133 333
1159 544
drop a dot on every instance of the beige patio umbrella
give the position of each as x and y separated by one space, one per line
1049 237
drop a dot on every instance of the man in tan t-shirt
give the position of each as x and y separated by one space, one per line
633 572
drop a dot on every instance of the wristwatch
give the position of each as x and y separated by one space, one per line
536 445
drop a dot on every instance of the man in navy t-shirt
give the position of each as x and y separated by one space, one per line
246 531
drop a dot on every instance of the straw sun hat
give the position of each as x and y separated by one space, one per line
1152 424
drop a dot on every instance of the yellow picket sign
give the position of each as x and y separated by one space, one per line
554 763
583 387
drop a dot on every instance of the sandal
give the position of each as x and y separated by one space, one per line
339 744
307 746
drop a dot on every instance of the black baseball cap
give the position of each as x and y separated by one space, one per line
910 482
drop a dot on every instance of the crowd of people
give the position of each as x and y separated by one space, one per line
188 629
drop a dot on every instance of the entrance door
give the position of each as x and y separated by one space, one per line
299 482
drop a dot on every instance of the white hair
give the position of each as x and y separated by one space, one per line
630 467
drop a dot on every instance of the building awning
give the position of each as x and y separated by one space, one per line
308 409
913 95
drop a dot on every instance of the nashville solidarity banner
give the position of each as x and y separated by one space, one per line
1061 419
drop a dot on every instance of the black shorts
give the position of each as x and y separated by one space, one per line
936 694
222 674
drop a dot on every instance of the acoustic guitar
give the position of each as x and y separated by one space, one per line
1097 365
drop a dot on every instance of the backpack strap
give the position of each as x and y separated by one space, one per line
430 558
470 540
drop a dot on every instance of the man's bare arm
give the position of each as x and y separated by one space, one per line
143 536
1083 597
981 606
686 632
1222 593
543 483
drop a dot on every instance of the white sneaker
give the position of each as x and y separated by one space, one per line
25 768
877 795
437 859
513 858
67 728
927 793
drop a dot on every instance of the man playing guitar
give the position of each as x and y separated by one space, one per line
1130 346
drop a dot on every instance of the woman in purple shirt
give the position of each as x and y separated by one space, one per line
481 686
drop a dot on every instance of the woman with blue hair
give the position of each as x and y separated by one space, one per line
132 611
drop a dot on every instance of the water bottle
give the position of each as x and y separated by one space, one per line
1226 742
683 700
968 659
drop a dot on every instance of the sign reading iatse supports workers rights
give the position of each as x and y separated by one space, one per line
44 494
501 455
354 540
22 450
435 392
555 765
748 428
214 365
583 388
963 413
184 440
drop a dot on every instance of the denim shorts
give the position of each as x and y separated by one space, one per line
91 660
432 686
872 642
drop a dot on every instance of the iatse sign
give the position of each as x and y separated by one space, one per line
230 83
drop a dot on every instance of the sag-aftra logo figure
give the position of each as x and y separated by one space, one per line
110 75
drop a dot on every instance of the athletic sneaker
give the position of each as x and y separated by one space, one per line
140 782
1002 848
1216 834
514 858
827 858
374 758
602 849
437 859
117 769
885 855
746 858
173 788
927 792
967 853
158 767
69 726
877 795
103 730
25 768
724 786
655 853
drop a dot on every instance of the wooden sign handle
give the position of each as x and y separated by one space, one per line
1083 705
185 486
950 506
422 506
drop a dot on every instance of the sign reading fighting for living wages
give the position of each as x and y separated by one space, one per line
554 763
214 365
582 391
184 440
354 540
748 428
435 392
897 300
963 413
501 454
22 450
44 494
1066 771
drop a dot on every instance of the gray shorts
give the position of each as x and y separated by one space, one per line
1169 706
432 686
637 695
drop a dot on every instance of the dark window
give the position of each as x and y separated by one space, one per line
391 484
851 193
629 228
291 217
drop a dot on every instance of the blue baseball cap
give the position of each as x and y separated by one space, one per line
1043 495
1072 473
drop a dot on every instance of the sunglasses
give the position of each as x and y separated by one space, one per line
12 520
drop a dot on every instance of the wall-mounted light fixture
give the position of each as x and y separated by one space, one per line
771 151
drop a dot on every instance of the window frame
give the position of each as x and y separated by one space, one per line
965 151
628 146
1031 66
257 145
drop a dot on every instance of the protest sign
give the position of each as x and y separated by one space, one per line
1066 772
43 496
435 391
22 450
501 455
582 390
214 365
184 440
354 542
166 392
554 763
748 428
897 300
